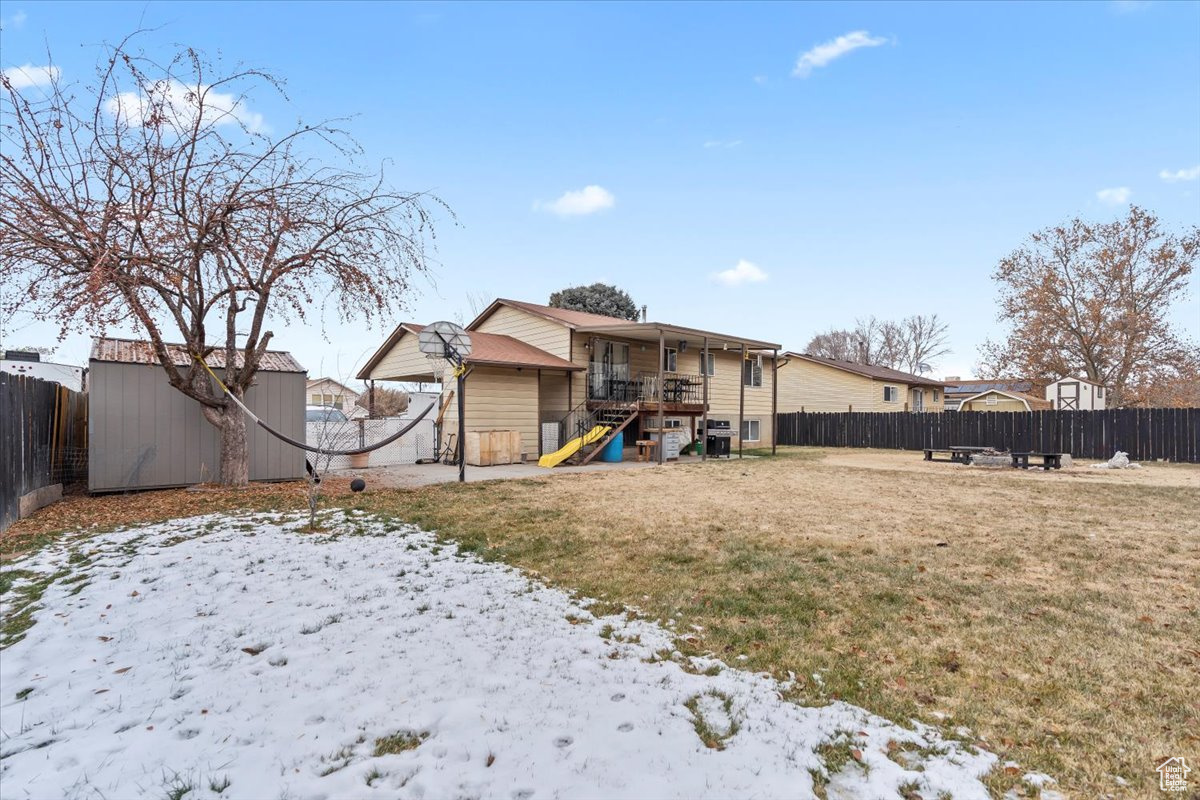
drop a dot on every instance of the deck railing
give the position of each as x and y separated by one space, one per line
616 385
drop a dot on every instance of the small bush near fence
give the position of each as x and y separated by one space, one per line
43 439
1146 434
419 443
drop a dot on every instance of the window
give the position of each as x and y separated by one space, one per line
752 372
991 400
891 394
670 360
327 399
710 368
935 395
1100 392
749 430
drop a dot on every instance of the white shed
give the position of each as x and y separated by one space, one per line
1076 394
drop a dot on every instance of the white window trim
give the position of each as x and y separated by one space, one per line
712 364
670 359
895 391
752 426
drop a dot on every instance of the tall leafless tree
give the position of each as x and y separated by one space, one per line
156 197
1095 298
912 344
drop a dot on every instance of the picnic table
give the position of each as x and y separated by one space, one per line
959 454
1049 460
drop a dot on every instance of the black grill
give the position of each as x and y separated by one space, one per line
716 438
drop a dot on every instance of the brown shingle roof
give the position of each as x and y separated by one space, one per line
134 351
487 349
869 370
566 316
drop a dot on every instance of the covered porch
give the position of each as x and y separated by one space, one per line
652 372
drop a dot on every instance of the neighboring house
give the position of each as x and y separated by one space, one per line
997 400
328 392
958 390
27 362
815 383
145 434
1076 394
545 371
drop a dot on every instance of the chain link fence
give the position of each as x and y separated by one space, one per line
418 444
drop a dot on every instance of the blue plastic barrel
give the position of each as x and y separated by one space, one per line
615 449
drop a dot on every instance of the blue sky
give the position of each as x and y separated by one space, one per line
886 175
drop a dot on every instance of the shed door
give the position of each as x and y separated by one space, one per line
1068 396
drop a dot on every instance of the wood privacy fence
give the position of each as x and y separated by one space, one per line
1171 434
43 439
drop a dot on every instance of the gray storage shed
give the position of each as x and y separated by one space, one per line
144 434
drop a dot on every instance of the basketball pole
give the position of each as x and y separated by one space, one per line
462 428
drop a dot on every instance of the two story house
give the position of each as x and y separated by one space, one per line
549 372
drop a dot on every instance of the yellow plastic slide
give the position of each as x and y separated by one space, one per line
572 447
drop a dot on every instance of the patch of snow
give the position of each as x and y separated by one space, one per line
1119 461
238 652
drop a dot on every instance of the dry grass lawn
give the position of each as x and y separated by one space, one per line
1053 618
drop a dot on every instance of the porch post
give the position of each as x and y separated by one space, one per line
741 397
662 355
371 400
704 413
774 397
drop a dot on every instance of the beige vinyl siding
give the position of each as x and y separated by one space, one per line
499 399
540 332
553 404
723 388
1002 404
809 386
405 359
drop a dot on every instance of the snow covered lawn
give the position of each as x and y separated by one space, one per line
236 657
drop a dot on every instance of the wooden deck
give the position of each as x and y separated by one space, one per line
651 407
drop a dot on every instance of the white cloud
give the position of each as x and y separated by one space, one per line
760 79
822 54
579 202
743 272
28 75
178 104
1181 175
17 21
717 143
1116 196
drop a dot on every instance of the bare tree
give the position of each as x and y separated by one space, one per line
1095 298
926 339
833 343
906 345
155 197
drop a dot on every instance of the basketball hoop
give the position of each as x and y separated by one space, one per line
445 340
448 345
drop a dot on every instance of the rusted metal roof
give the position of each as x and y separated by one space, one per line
135 351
